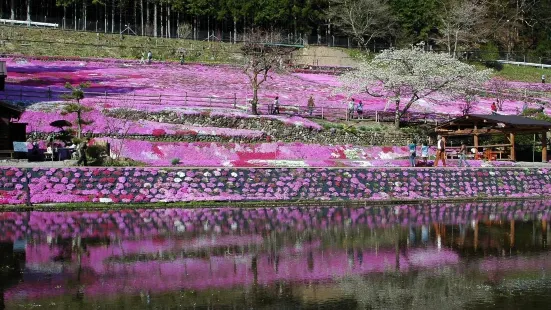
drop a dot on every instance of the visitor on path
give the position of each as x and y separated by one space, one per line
276 105
440 151
82 160
142 60
543 78
412 153
360 110
311 105
425 153
182 59
149 57
493 107
463 155
351 107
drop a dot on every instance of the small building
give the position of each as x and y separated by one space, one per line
10 131
476 125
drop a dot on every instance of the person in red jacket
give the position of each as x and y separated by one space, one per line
494 108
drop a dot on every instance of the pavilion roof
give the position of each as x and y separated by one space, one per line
492 124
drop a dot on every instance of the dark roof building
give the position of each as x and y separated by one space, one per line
509 125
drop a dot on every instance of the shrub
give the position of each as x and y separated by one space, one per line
489 52
175 161
492 64
96 154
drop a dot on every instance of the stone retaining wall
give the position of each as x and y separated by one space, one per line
140 185
277 130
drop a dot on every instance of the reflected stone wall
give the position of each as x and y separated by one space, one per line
141 185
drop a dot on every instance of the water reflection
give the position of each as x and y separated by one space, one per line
418 256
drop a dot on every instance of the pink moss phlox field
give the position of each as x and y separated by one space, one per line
12 186
206 84
137 185
211 154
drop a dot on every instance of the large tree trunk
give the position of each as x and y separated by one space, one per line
106 18
168 34
29 11
162 21
75 17
12 9
112 16
84 14
135 13
147 14
64 17
120 18
141 16
234 30
397 115
155 19
254 105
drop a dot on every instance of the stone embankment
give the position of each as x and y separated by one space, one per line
275 129
150 185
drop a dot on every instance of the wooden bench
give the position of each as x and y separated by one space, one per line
7 152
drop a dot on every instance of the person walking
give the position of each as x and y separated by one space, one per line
425 153
463 155
276 105
440 151
311 105
351 107
142 60
360 110
493 107
412 153
543 78
149 57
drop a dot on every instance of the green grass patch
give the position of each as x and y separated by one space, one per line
65 43
522 73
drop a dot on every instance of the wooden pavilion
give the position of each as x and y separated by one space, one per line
10 131
476 125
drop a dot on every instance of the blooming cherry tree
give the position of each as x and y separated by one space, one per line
407 75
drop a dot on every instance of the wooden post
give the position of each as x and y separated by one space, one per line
234 99
512 140
544 147
476 236
512 234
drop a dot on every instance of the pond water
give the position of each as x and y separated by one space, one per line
445 256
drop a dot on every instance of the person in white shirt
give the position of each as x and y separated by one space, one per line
543 78
276 105
440 151
351 107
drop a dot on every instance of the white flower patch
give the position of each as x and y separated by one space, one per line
279 163
147 185
354 153
383 155
361 163
207 174
234 174
177 180
181 174
149 155
105 200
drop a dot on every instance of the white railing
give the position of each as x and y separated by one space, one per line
28 23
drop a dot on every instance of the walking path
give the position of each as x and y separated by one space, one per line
72 164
